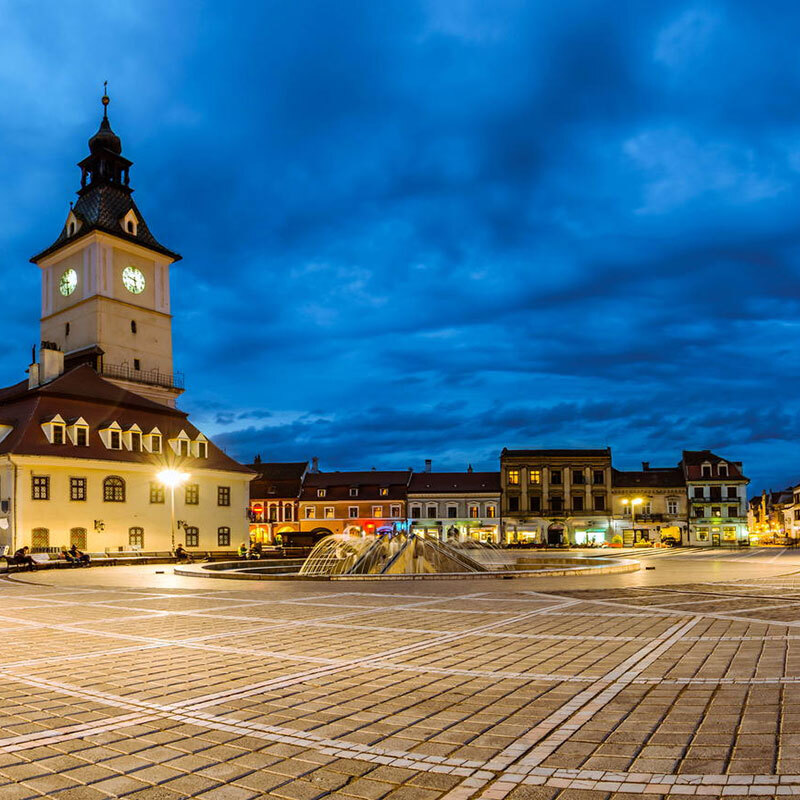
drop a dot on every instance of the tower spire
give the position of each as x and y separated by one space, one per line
105 100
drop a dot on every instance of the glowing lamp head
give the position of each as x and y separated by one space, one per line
172 477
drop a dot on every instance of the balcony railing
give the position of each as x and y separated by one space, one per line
151 377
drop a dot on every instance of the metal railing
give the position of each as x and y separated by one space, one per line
151 377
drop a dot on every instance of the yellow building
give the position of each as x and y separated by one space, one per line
83 440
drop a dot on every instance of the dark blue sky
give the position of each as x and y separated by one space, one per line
434 229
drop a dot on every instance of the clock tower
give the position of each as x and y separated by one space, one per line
105 281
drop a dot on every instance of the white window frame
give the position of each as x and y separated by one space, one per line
309 512
377 512
394 511
105 435
350 510
321 492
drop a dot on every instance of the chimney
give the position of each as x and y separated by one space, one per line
315 464
469 469
33 375
258 459
51 362
428 464
645 465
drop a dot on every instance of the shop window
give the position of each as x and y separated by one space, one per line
702 534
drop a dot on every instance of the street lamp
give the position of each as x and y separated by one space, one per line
172 478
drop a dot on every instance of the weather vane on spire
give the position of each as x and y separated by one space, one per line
105 99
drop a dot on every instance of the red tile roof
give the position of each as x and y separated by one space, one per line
454 482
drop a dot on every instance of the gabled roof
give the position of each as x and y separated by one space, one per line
693 460
277 480
653 478
81 392
454 482
337 485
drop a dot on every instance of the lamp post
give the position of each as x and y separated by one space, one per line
172 478
633 502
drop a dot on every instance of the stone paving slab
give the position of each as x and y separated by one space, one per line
417 691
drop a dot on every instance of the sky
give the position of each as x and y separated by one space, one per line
436 228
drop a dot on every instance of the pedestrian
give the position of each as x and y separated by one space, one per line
23 556
82 559
242 550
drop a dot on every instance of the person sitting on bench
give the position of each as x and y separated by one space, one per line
181 554
22 556
81 558
68 557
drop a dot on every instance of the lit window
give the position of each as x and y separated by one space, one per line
310 512
377 511
136 537
192 497
223 537
384 492
40 487
329 512
474 512
156 492
513 477
192 536
113 489
534 476
320 492
77 488
491 512
223 495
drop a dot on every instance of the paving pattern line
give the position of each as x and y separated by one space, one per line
544 738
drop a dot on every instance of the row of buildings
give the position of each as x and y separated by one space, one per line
775 516
547 497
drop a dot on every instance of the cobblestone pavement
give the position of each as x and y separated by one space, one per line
406 691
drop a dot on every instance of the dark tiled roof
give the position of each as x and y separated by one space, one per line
277 480
606 453
455 482
693 460
656 478
81 392
337 485
101 208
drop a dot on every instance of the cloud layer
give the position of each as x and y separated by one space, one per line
434 229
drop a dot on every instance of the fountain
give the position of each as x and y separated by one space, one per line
387 554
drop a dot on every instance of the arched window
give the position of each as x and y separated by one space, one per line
192 536
136 537
223 537
77 537
114 489
287 512
40 539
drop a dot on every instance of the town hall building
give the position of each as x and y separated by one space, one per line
93 450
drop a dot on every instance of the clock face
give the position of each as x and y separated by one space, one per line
133 279
68 282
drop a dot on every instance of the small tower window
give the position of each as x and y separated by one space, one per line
71 228
66 329
137 364
131 226
133 326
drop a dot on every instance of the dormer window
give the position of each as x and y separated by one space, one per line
55 430
706 470
384 491
200 447
78 432
353 492
71 229
722 470
130 224
152 441
111 436
181 444
133 439
321 492
72 224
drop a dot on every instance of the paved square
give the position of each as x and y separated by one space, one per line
679 682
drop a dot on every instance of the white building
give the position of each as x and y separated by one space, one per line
83 440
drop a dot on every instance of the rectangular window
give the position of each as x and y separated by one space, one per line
577 502
702 534
557 504
223 495
115 440
474 512
223 537
310 512
699 511
77 537
394 511
136 537
555 476
192 496
416 512
535 502
183 447
137 365
433 512
155 443
352 512
646 509
384 492
330 512
491 512
599 502
377 511
672 506
77 488
598 477
706 471
722 470
452 512
699 492
353 491
58 434
716 511
513 503
40 487
81 436
577 476
320 493
535 476
733 511
716 492
192 537
513 477
732 491
156 493
136 441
